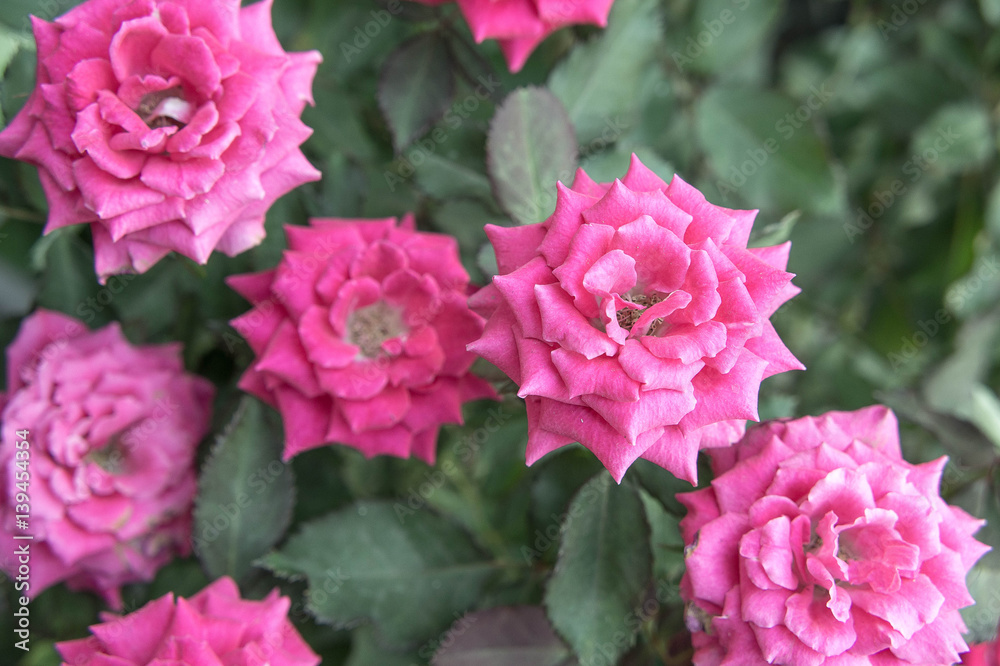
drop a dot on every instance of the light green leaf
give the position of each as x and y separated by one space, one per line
530 146
603 569
760 148
956 138
408 571
599 81
245 494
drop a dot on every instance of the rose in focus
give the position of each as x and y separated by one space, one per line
521 25
635 321
112 434
165 125
816 543
215 626
360 335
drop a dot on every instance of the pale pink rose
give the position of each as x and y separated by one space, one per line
635 321
212 628
112 431
360 336
165 124
818 544
521 25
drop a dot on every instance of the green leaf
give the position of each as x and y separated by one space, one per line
530 146
722 33
603 569
366 650
415 87
758 147
409 572
446 178
775 233
599 81
665 540
503 636
245 494
69 284
956 138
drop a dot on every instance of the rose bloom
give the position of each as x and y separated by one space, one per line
360 336
635 321
983 654
521 25
816 543
165 124
107 476
212 628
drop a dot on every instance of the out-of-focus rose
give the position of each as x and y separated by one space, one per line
360 336
818 544
521 25
212 628
635 321
165 124
107 476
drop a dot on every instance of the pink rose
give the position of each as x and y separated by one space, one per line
818 544
635 321
982 654
212 628
165 124
521 25
360 334
107 476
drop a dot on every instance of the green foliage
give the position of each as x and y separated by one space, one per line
409 572
530 146
595 595
866 137
245 494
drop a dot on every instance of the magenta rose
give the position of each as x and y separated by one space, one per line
818 544
212 628
982 654
165 124
521 25
106 479
360 336
635 321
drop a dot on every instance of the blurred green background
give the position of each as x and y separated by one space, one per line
866 132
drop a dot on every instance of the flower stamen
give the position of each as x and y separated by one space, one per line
164 108
627 317
369 327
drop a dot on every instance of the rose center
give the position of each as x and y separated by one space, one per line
369 327
110 457
165 107
627 317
